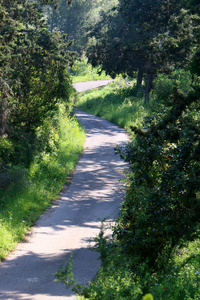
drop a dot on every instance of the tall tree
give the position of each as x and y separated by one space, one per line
77 19
129 46
33 63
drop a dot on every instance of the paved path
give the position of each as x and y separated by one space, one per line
94 194
88 85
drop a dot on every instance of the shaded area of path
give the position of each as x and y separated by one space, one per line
73 221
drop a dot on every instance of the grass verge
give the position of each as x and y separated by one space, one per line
120 102
24 200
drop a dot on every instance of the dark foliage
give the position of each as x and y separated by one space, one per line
162 205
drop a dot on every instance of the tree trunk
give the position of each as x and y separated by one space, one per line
3 117
139 77
4 92
149 85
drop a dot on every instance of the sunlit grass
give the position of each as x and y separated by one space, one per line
25 200
117 103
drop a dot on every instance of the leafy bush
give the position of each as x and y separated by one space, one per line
179 279
165 84
162 204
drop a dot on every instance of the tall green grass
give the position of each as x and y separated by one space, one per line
119 102
27 198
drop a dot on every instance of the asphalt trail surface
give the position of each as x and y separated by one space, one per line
88 85
70 225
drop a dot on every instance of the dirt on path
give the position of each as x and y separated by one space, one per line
68 227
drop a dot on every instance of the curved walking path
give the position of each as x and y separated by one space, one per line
74 220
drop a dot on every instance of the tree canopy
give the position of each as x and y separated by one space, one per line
77 19
145 37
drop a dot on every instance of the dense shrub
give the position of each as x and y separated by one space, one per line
162 205
165 84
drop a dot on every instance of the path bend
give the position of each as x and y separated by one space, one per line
95 193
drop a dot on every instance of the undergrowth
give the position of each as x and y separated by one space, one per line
179 280
118 279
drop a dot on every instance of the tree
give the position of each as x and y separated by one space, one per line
77 19
33 77
127 46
